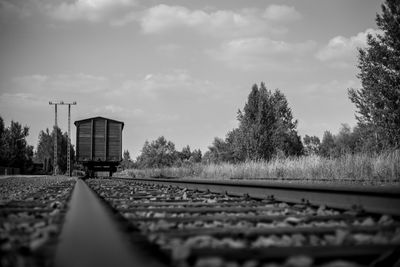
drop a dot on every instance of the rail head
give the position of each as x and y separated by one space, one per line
387 190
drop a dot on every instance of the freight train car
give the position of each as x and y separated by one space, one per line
99 144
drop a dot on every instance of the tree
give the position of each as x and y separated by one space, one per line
157 154
378 101
2 143
126 155
345 141
45 150
126 160
327 147
196 156
266 126
237 151
14 150
365 139
185 154
219 151
2 128
232 149
311 145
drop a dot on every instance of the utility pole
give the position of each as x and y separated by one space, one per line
69 136
55 167
69 139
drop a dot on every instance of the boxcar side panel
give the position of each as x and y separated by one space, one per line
84 149
114 144
99 153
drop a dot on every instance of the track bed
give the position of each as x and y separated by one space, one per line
201 228
32 210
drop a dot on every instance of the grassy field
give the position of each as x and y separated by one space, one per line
363 168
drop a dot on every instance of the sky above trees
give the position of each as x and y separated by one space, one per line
179 68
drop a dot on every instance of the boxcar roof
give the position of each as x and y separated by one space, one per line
98 117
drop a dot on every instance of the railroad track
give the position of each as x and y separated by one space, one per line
375 199
186 223
210 223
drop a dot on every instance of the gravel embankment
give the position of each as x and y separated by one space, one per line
194 228
32 210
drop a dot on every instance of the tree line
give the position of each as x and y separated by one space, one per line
161 153
45 150
268 129
14 150
16 153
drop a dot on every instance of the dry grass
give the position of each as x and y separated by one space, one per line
365 168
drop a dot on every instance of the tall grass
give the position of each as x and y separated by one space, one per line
382 168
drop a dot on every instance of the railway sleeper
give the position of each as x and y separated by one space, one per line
354 236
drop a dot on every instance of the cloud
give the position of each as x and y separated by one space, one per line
260 52
160 18
34 78
341 51
167 84
63 83
12 9
333 88
162 117
81 85
164 18
169 49
281 13
16 99
167 80
119 111
90 10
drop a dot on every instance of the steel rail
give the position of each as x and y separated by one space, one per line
91 236
372 199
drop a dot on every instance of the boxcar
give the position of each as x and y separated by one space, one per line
99 144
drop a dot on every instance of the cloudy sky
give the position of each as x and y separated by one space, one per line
179 68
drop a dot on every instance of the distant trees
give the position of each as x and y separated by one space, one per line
266 129
45 150
378 101
219 151
127 162
311 145
196 156
327 147
186 156
347 141
161 153
14 150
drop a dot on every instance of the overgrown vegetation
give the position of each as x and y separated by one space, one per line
358 168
